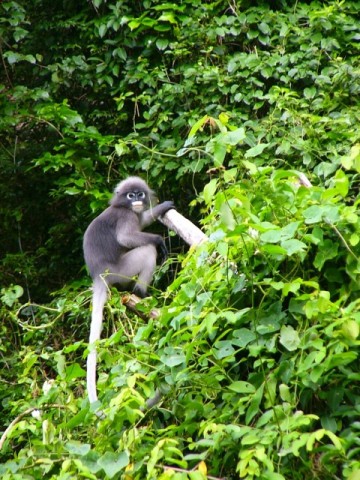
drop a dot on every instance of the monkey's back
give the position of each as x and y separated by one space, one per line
101 247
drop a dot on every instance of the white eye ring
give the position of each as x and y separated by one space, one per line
141 195
130 195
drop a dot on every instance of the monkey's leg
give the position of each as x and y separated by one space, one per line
140 262
146 274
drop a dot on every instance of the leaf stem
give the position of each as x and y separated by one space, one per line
338 233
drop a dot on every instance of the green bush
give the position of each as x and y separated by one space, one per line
247 113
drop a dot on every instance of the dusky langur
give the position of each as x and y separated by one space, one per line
116 250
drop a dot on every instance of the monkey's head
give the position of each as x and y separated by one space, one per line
134 194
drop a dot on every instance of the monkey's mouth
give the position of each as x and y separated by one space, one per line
137 206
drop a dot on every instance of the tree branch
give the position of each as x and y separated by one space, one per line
191 234
130 301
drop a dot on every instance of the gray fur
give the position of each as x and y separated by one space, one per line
116 250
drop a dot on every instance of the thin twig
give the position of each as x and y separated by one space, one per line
42 120
24 414
336 230
4 65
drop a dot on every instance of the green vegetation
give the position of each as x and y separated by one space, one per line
247 115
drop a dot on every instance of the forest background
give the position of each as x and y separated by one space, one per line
246 114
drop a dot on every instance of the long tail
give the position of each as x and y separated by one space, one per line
98 302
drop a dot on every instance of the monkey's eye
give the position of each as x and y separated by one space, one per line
141 195
130 195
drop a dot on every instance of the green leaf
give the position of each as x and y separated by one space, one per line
257 150
289 338
329 423
219 153
121 148
91 461
189 290
314 437
272 476
121 53
168 17
234 137
76 448
242 337
134 24
72 191
284 392
264 28
342 359
326 251
354 475
341 183
289 230
172 357
274 250
77 419
227 217
113 463
271 236
250 438
194 475
251 167
331 214
335 440
242 387
293 246
19 34
198 125
253 408
350 329
292 287
313 214
10 295
162 43
74 371
317 213
265 418
102 30
310 92
30 59
352 161
223 349
12 58
354 239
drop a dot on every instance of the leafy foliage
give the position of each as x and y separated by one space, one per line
252 119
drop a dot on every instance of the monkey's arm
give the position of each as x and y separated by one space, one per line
149 216
138 239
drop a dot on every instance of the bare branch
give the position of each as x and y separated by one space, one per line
130 301
191 234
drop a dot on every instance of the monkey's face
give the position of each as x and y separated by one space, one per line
137 201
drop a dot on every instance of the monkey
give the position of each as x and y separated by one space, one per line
116 250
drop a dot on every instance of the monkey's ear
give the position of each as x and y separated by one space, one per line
118 200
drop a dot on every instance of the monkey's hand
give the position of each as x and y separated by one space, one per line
167 205
164 207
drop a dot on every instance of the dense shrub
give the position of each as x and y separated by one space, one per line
247 115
